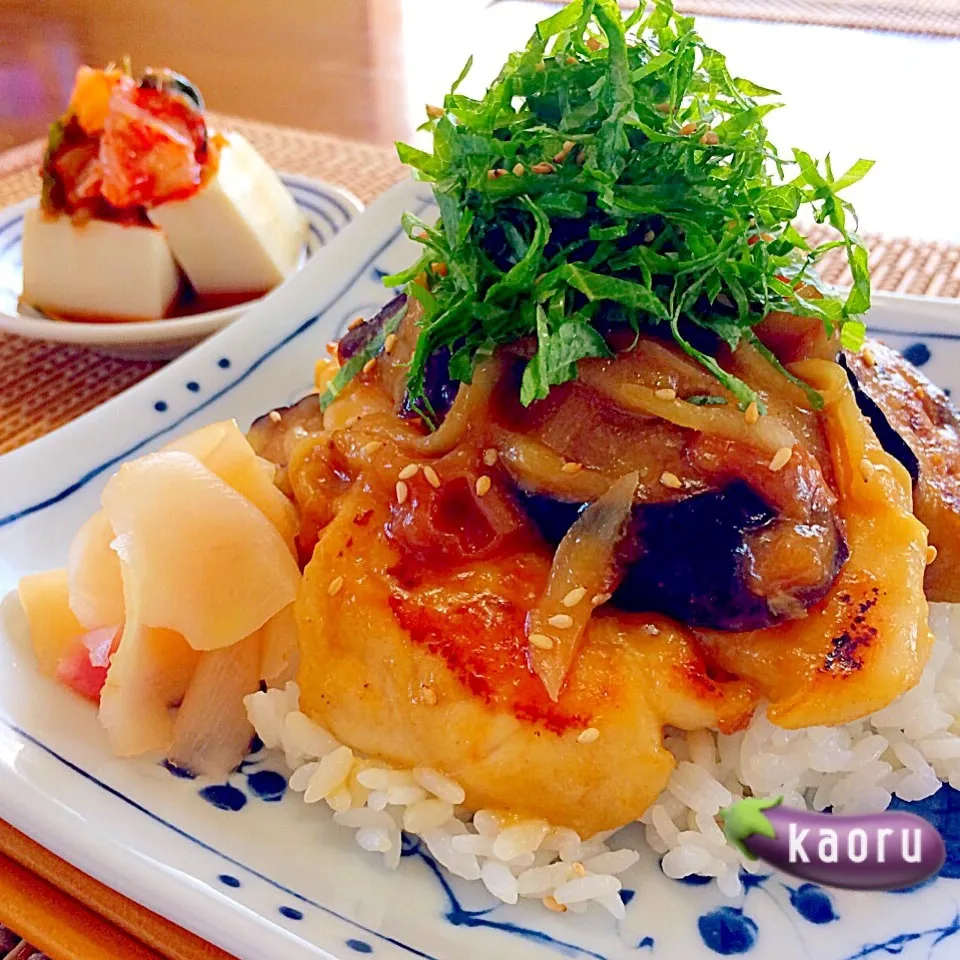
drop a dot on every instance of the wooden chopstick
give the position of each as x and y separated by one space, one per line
54 906
58 925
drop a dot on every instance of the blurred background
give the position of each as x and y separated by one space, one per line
872 78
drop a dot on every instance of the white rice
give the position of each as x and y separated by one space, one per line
905 750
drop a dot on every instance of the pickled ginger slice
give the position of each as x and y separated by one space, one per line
203 561
93 575
54 629
149 673
280 652
224 449
212 732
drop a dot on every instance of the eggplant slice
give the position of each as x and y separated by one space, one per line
439 388
274 435
691 558
917 424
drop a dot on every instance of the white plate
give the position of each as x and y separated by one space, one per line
328 209
275 878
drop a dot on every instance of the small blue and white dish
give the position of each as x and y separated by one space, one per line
245 864
327 209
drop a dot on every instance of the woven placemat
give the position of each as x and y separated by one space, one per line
935 17
43 385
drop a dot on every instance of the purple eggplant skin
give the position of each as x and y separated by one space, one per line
889 438
683 558
881 851
691 559
439 388
359 338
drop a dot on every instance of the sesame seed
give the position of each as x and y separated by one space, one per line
574 596
560 157
867 469
562 621
590 735
372 447
571 467
410 470
543 167
496 173
593 43
578 869
663 107
428 696
275 416
649 237
370 364
671 480
780 459
389 343
519 170
550 902
430 475
600 599
541 640
752 413
581 158
568 145
868 358
335 584
356 322
490 456
931 554
709 139
483 485
687 129
332 347
403 492
665 393
439 268
652 629
571 60
434 112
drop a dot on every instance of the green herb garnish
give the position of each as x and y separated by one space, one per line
616 174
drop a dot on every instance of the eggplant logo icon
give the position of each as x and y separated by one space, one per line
883 851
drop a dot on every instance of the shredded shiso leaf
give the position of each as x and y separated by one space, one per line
617 174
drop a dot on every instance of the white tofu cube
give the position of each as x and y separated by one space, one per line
241 232
98 270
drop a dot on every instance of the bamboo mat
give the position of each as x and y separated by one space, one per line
43 386
935 17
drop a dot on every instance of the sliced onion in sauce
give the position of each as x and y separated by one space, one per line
584 569
721 421
468 407
535 467
211 732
